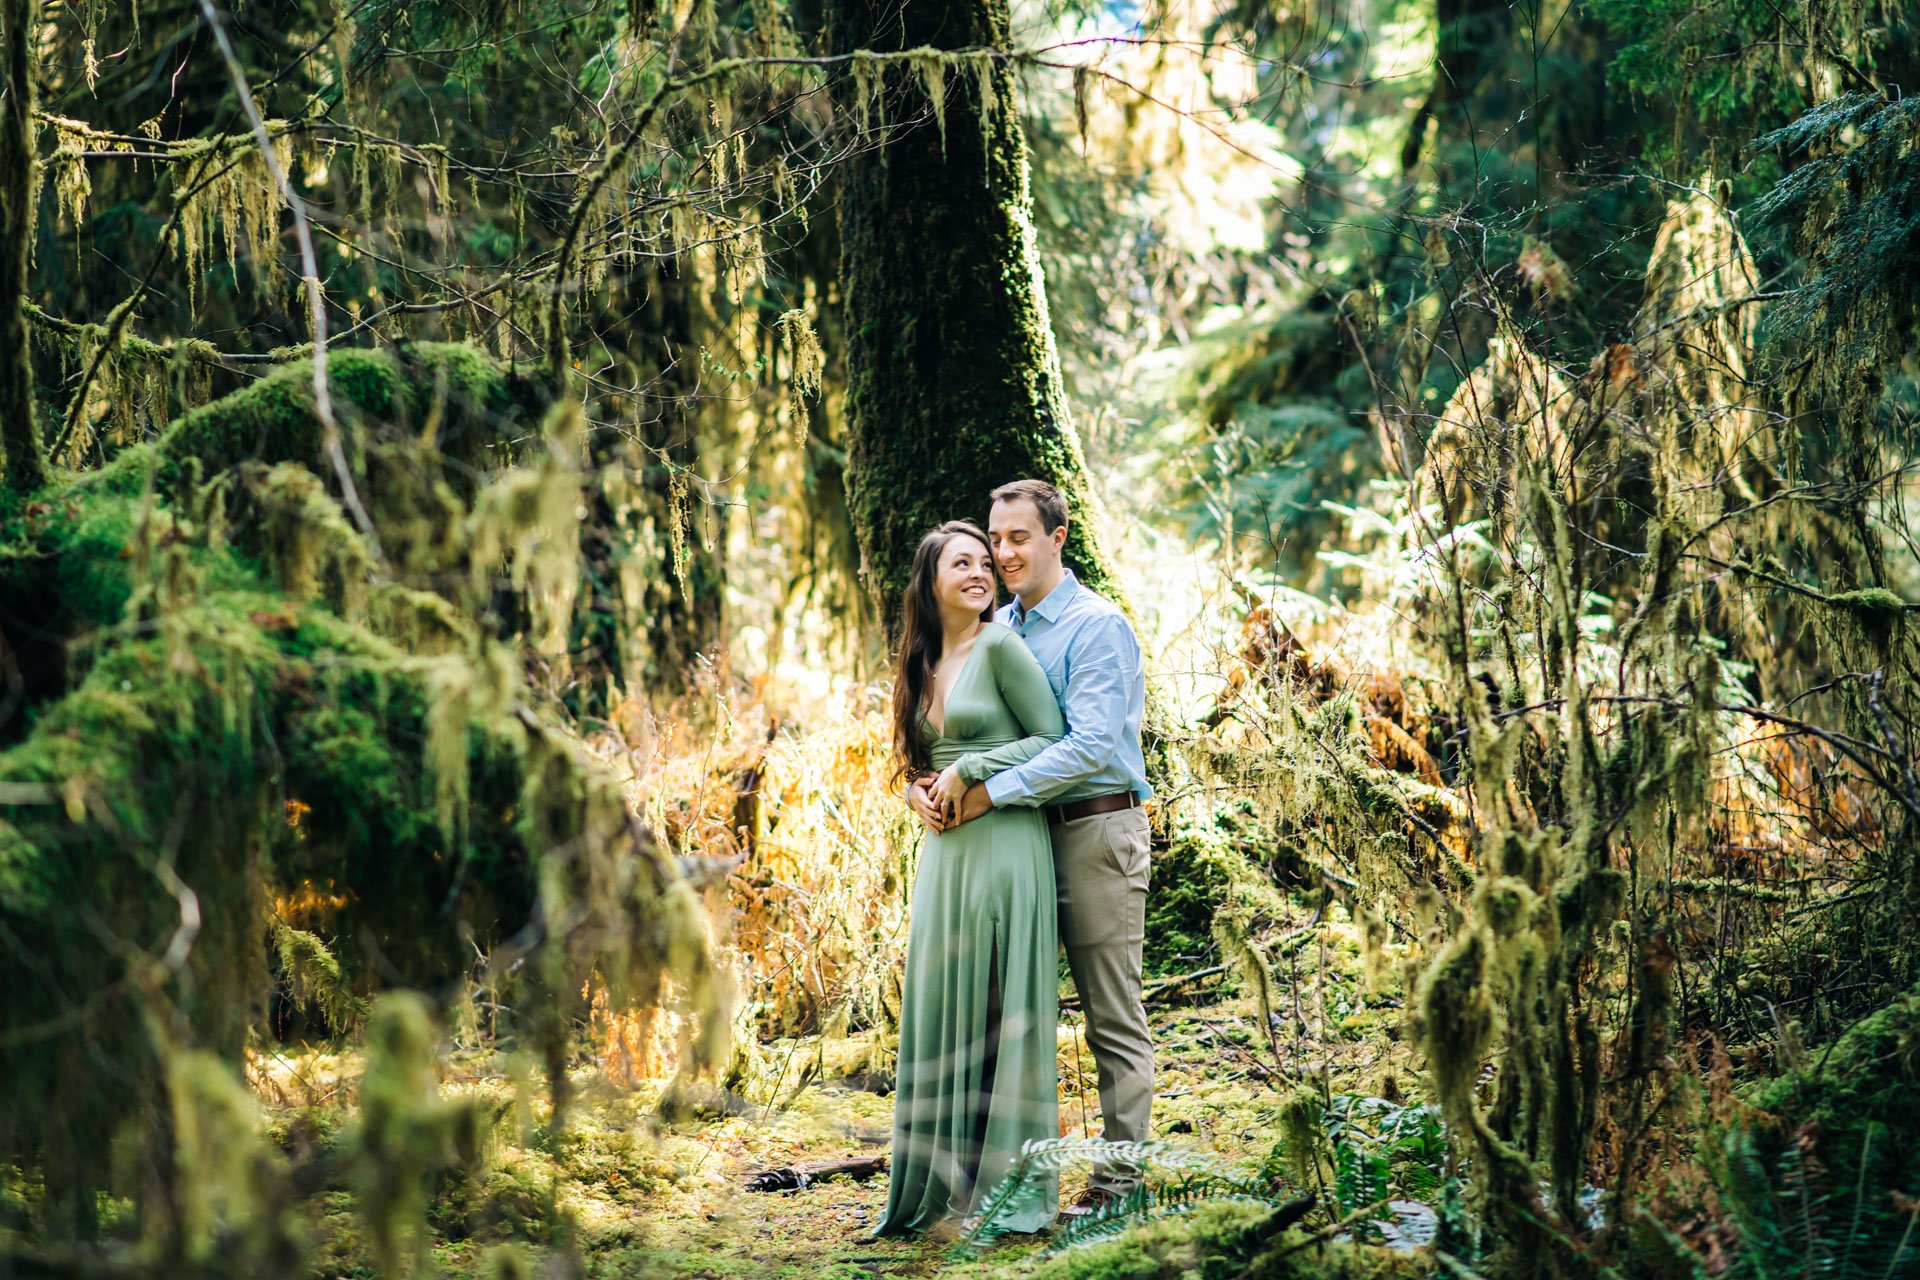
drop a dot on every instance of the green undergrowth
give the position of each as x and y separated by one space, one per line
1311 1091
1868 1078
621 1191
1825 1170
624 1192
630 1187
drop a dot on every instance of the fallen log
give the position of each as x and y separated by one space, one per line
798 1177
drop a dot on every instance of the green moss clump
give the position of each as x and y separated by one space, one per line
465 400
1189 882
1868 1079
1226 1240
1871 601
266 773
1202 882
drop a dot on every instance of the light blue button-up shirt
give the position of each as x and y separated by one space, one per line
1092 659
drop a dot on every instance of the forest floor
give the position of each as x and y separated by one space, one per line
647 1199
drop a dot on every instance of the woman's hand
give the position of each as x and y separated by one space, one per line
946 792
920 800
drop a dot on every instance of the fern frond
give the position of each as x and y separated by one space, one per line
1118 1219
1173 1180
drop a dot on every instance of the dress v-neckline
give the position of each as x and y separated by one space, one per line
940 730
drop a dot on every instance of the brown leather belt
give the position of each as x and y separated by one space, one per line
1077 809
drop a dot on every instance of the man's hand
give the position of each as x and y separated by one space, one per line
975 802
925 807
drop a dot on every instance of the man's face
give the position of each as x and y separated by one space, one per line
1023 550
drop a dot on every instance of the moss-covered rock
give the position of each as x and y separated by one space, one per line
1867 1080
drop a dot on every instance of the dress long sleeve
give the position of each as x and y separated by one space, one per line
1024 686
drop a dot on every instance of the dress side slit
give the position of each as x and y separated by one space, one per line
989 1059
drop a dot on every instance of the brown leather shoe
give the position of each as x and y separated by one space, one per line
1091 1201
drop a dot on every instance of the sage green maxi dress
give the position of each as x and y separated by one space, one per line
977 1074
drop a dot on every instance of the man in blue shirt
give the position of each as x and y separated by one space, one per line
1092 783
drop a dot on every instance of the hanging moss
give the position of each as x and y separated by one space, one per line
234 1200
406 1132
1871 617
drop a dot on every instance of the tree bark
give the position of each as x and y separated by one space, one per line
26 464
953 382
1471 33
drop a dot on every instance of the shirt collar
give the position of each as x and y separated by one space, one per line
1051 607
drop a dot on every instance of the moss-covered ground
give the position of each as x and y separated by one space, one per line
632 1193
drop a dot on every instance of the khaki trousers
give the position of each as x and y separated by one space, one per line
1101 868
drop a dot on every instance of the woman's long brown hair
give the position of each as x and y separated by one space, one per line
920 644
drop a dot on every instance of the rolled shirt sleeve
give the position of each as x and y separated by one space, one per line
1097 701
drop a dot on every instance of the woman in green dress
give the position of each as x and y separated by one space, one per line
977 1074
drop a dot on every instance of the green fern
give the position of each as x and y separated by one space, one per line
1123 1216
1173 1180
1383 1150
1796 1220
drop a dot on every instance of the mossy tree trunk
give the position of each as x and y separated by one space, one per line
953 382
26 464
1471 33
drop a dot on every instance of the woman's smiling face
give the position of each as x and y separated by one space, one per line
964 581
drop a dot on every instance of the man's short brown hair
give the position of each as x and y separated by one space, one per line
1046 499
